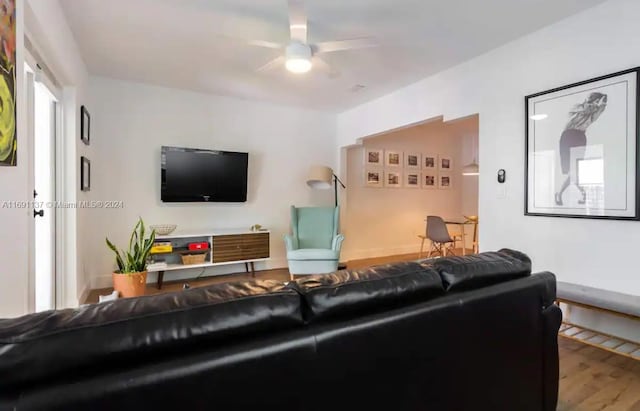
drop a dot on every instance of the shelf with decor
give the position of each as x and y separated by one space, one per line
225 247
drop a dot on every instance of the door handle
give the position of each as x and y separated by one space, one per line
38 213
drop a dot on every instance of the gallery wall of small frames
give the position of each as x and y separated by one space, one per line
398 169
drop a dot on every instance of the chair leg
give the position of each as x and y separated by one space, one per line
430 250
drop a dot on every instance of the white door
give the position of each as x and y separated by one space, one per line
43 119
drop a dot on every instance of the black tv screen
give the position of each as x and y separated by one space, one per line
193 175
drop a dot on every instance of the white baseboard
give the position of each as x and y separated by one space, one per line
348 255
105 281
83 295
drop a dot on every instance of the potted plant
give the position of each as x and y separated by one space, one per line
131 278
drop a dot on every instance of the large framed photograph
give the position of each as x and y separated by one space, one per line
581 155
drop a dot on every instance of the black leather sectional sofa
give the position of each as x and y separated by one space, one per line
458 333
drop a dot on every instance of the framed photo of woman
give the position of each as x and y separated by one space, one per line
581 144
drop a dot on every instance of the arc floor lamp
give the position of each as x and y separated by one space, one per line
322 178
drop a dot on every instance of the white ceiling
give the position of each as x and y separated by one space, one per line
190 44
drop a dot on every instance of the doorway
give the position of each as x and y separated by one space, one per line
43 126
398 178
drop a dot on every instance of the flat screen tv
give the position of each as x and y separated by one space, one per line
194 175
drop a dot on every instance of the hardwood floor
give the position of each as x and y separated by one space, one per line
277 274
591 379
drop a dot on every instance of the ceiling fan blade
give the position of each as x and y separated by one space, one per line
330 46
297 21
278 61
258 43
323 66
263 43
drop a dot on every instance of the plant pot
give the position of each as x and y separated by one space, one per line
130 284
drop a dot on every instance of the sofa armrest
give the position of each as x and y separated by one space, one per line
290 242
336 245
552 319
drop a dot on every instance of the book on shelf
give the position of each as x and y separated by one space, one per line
161 247
156 265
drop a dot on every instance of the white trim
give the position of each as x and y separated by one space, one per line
379 252
29 87
35 75
60 187
84 294
209 233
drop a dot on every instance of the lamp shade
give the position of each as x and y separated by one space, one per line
471 169
320 177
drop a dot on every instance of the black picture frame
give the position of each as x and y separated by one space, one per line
85 125
85 174
596 97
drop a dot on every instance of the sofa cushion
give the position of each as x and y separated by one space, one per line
480 270
373 288
310 254
42 345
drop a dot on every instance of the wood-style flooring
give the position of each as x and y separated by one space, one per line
591 379
281 274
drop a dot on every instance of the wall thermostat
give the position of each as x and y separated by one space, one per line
502 176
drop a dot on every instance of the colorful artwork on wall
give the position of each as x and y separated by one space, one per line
8 135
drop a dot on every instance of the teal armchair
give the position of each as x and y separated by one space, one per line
314 245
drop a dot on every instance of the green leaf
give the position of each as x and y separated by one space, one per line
135 258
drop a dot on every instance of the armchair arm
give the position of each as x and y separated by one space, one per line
336 245
290 242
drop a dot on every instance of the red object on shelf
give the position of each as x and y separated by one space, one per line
199 246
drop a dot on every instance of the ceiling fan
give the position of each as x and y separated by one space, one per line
299 56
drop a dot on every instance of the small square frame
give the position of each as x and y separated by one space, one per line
393 158
392 179
445 164
445 181
85 125
370 180
413 161
412 179
85 174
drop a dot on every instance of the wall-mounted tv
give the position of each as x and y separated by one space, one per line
194 175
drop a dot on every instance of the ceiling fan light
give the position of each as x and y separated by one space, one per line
298 57
298 65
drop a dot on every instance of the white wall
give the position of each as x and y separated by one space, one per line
387 221
599 41
130 122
